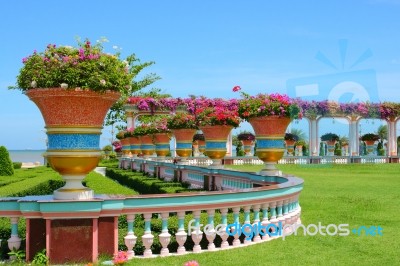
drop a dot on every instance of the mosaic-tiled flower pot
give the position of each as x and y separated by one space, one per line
134 144
183 139
370 147
147 145
74 120
161 141
270 134
331 147
290 146
247 145
216 137
126 147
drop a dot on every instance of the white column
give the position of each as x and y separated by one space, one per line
392 138
129 120
353 135
229 145
313 136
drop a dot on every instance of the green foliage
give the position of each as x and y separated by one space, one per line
329 137
144 184
107 148
321 149
369 136
17 165
86 66
19 255
338 151
40 258
38 181
301 135
6 166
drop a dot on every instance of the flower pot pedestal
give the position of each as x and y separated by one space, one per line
299 150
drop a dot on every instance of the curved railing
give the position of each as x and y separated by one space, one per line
264 203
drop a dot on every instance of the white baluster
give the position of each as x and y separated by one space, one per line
130 238
273 219
147 238
14 242
224 236
265 221
211 233
164 237
256 223
236 241
197 234
247 221
181 234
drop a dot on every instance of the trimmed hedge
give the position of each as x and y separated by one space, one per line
104 185
144 184
6 166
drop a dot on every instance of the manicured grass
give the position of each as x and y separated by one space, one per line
333 194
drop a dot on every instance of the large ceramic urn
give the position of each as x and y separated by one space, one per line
74 120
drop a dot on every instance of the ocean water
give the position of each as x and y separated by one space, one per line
27 156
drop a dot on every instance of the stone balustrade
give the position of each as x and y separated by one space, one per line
264 203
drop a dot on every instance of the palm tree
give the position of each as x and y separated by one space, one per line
300 133
382 132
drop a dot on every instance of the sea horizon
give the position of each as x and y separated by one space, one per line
27 156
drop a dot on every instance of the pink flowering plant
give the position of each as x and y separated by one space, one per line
181 120
117 146
246 135
86 66
267 105
151 104
191 263
157 126
120 258
145 129
389 110
211 112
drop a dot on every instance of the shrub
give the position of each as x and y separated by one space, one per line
17 165
6 166
329 137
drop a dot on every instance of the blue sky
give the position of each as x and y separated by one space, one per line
207 47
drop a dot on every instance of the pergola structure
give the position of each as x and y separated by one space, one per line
354 122
133 113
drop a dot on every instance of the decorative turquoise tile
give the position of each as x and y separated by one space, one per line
73 141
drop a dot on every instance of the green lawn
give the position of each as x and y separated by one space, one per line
333 194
